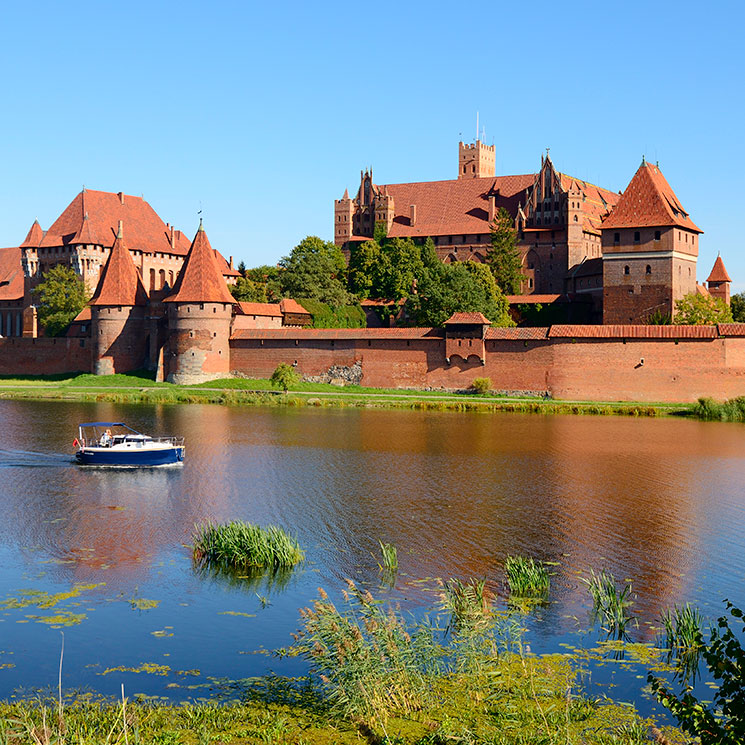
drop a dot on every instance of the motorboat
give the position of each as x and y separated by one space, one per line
116 444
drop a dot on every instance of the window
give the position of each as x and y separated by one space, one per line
637 236
657 235
626 269
649 269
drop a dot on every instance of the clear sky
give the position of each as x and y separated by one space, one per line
263 113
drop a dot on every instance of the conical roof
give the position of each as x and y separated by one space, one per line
200 280
648 202
34 236
86 234
120 282
718 272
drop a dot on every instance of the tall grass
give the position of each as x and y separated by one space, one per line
610 605
684 638
468 604
389 556
527 578
732 410
239 544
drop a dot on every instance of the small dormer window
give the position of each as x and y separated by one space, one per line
657 235
637 236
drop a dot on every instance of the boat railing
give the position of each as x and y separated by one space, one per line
177 442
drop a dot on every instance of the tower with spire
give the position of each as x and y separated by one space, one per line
118 306
719 281
199 314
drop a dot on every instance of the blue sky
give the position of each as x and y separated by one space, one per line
262 113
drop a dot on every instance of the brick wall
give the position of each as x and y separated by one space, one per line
592 368
22 356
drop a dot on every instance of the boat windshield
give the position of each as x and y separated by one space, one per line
105 434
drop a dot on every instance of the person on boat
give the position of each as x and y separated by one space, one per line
106 439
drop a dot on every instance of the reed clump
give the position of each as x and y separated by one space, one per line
469 605
527 578
389 557
732 410
683 627
610 605
239 544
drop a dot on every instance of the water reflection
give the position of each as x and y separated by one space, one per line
656 502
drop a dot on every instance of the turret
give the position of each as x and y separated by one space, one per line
476 160
718 282
118 314
343 212
199 314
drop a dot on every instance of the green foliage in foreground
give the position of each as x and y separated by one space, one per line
340 317
60 296
238 544
723 723
732 410
609 604
701 310
481 386
527 577
284 376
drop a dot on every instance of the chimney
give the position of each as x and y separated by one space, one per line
173 241
412 214
492 207
230 263
121 197
121 229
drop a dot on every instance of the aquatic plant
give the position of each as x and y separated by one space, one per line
732 410
527 577
240 544
610 605
683 627
469 604
389 555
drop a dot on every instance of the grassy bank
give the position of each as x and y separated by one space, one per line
141 388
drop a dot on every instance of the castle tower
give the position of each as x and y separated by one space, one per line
343 212
199 313
476 160
650 249
118 314
384 209
719 281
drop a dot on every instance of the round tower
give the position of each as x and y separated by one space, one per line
199 314
118 315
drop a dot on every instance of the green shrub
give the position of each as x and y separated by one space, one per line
284 376
327 317
481 386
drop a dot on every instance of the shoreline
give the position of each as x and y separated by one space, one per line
252 392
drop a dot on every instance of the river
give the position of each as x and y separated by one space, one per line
656 501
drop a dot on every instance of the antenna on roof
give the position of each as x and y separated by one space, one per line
477 125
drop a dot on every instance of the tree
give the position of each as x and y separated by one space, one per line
401 265
242 268
363 273
284 376
315 269
737 306
449 288
701 310
61 295
247 291
504 257
268 276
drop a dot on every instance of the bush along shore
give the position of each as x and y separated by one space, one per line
140 388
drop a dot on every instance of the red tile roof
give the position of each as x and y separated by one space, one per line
260 309
120 282
649 202
460 206
468 318
86 234
292 306
718 272
11 274
339 334
731 329
145 230
517 333
34 236
632 332
515 299
200 280
702 290
596 204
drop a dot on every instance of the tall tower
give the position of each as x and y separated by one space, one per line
118 314
199 313
719 281
343 212
476 160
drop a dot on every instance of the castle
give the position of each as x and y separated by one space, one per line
625 257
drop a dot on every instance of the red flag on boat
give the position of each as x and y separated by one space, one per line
75 442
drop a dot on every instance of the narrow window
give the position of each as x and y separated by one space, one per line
657 235
626 269
649 269
616 237
637 236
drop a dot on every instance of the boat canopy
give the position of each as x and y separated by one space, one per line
104 424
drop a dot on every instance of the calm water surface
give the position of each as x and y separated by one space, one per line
659 502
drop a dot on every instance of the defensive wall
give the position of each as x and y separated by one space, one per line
41 356
600 363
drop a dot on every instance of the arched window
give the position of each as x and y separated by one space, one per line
162 278
152 280
649 269
576 219
170 278
626 269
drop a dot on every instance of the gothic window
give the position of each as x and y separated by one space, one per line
626 269
576 219
649 269
152 280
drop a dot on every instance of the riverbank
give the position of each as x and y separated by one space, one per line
139 387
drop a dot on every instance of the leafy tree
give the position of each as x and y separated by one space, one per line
701 310
380 232
315 269
242 268
401 265
342 317
269 277
724 722
737 306
61 295
284 376
449 288
429 254
504 256
363 273
247 291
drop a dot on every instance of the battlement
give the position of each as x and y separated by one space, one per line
476 160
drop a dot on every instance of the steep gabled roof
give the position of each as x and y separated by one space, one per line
468 318
120 282
33 237
718 272
649 202
271 310
287 305
86 234
11 274
200 279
